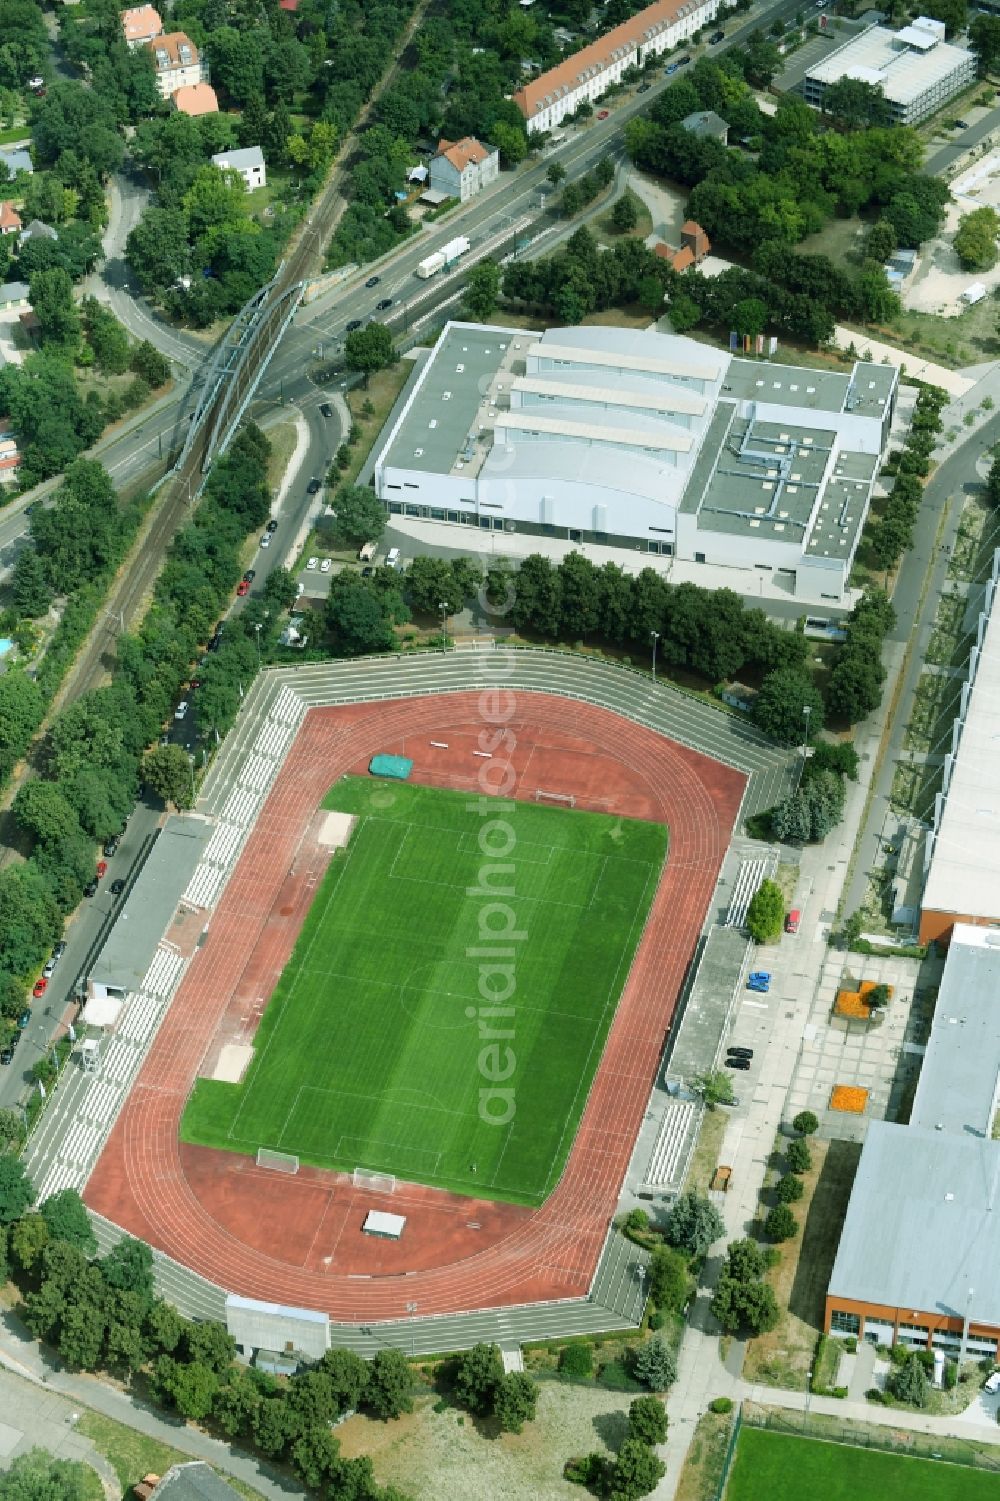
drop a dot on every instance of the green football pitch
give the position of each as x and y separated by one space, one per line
780 1467
378 1048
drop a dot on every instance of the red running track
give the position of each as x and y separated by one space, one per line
296 1240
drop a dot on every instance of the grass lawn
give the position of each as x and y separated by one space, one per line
780 1467
372 1051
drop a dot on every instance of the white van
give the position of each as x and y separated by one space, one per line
392 558
367 553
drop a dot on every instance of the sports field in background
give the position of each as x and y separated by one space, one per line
780 1467
372 1052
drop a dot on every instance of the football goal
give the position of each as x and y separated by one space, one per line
379 1183
566 798
281 1162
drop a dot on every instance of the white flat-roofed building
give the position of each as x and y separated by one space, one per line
589 73
249 163
963 848
916 69
643 441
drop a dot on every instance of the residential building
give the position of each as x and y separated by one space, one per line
694 247
196 99
917 1259
16 160
916 69
10 219
37 230
249 163
177 63
707 126
140 25
642 440
461 169
962 850
587 74
14 296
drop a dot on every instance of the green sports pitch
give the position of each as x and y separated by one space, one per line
781 1467
390 1043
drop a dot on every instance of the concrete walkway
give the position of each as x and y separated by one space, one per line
33 1419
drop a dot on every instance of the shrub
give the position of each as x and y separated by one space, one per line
908 1382
950 1376
636 1221
805 1123
790 1189
799 1156
576 1362
781 1223
766 912
874 1395
839 1391
721 1404
614 1378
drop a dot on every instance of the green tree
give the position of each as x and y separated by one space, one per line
16 1189
745 1261
790 1189
235 1403
358 617
38 1476
146 361
390 1382
348 1377
654 1364
482 290
635 1472
647 1420
514 1401
210 1343
881 243
67 1220
975 239
191 1387
669 1282
43 812
479 1372
984 39
167 770
780 1223
28 1239
798 1156
431 582
82 1330
693 1224
713 1088
511 143
908 1382
360 515
316 1456
766 912
128 1268
369 349
11 1125
744 1306
805 1123
555 173
576 1362
51 296
625 214
779 708
32 593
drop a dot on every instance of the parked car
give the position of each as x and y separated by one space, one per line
792 920
39 988
111 845
392 558
671 68
272 525
992 1383
314 486
682 62
102 869
24 1019
716 38
602 114
961 124
265 541
741 1063
326 565
643 88
373 281
117 887
59 950
181 709
350 327
312 563
90 889
49 969
242 588
6 1056
740 1052
367 572
326 409
759 979
380 307
250 575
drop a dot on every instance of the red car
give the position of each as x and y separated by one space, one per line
242 588
41 986
792 921
102 866
602 114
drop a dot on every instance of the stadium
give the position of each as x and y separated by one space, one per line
329 1111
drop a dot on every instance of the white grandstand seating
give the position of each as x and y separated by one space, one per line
272 740
241 806
100 1102
80 1142
60 1175
204 884
748 878
161 976
665 1158
141 1017
224 844
287 707
120 1061
257 773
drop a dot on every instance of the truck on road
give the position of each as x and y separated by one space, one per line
431 264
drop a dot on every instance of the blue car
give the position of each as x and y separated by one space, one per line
759 979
